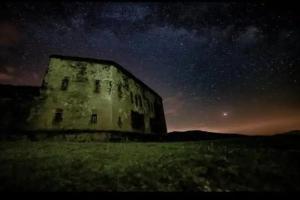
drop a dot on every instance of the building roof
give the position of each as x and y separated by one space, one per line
107 62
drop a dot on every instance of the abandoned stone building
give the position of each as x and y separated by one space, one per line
84 94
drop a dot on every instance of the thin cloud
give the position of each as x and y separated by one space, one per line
5 77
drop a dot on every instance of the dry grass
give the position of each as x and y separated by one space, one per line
219 165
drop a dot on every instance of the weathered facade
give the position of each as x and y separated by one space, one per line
85 94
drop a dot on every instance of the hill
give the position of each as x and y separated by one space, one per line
195 135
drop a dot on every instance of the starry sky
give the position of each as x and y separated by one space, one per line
225 66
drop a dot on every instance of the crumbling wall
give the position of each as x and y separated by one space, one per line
82 95
132 101
79 101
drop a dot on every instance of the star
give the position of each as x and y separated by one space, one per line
220 65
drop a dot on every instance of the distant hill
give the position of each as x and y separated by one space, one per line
194 135
294 132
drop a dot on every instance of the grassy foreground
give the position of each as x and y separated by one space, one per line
219 165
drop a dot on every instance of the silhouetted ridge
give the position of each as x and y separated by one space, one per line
198 135
14 91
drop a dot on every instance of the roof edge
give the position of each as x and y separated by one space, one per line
109 62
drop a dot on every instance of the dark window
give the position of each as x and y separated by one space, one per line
58 116
65 83
131 97
94 118
120 123
97 86
120 93
137 121
136 101
141 101
109 87
157 123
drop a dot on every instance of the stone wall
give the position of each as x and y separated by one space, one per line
85 95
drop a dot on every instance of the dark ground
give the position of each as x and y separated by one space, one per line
233 164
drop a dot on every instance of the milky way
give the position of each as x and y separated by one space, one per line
204 59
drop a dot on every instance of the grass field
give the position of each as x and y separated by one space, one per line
217 165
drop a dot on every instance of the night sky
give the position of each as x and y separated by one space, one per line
222 67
